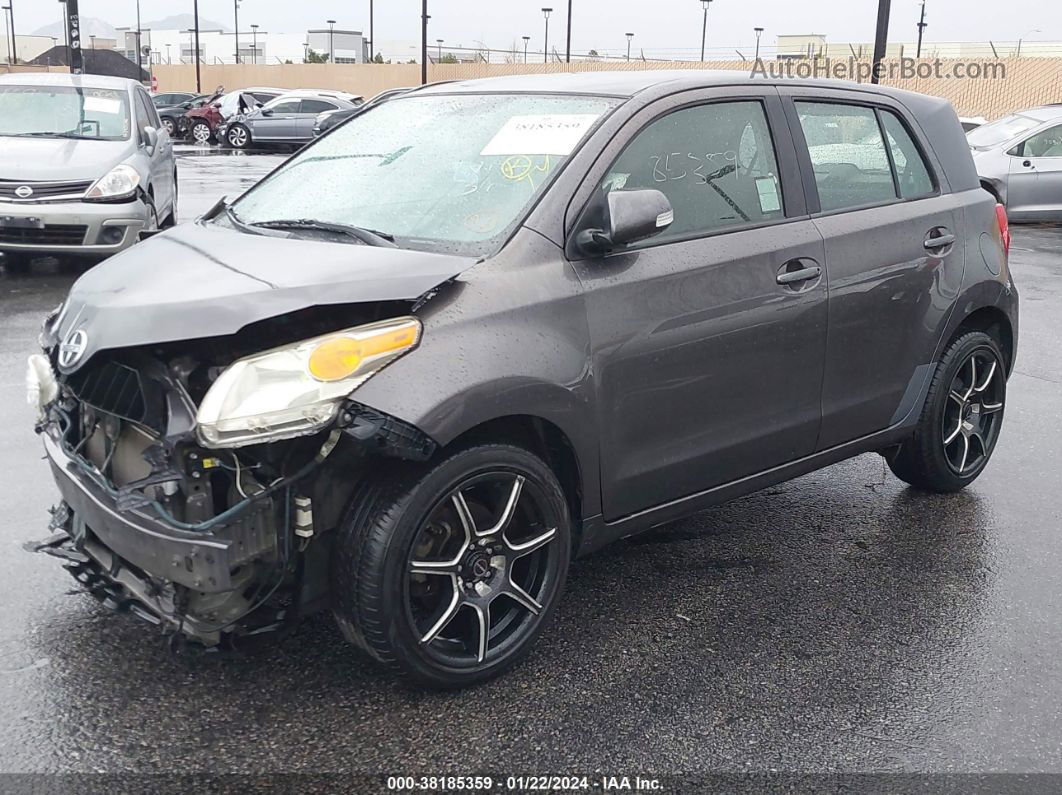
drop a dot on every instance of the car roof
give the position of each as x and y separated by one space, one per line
630 83
1042 113
81 81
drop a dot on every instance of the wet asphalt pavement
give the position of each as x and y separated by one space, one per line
840 622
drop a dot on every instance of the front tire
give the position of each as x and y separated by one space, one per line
201 132
171 128
961 420
448 573
238 136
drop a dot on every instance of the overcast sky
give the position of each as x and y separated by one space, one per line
671 25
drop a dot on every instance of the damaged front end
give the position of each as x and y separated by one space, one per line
201 480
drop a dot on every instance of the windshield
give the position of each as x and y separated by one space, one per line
448 173
1001 131
64 112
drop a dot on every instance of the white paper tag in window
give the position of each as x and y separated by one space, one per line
545 134
102 105
767 189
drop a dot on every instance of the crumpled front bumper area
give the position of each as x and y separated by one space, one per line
131 561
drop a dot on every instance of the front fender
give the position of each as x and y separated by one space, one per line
507 338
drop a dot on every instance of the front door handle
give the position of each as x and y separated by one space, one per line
804 274
938 239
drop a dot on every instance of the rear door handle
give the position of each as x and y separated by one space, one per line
803 275
939 241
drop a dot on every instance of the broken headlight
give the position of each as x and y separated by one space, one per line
297 389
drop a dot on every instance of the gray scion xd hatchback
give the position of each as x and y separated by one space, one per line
488 326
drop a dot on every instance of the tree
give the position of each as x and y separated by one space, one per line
448 58
595 54
312 56
379 58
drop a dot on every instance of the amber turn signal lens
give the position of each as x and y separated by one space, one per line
340 357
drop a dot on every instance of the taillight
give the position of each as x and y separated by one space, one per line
1004 228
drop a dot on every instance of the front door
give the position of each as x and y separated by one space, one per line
1034 189
708 339
894 255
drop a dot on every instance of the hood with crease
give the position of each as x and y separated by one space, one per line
199 281
60 159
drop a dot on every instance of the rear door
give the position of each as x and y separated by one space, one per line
894 253
1034 190
707 340
308 115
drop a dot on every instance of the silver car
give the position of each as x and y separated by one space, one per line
1019 160
288 119
85 166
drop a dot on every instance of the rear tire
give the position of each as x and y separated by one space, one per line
429 555
961 419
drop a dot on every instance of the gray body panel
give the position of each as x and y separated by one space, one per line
680 374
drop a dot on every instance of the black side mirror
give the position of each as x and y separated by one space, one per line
267 111
630 216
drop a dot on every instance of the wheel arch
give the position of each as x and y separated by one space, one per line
993 321
545 439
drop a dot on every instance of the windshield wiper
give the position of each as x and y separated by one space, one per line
369 237
69 134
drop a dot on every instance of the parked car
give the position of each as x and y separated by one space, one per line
171 115
84 167
1019 160
332 118
498 323
202 123
288 119
171 98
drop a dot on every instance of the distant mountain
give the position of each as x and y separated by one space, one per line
90 26
185 22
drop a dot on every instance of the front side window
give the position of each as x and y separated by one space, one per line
448 173
1046 143
64 112
847 154
715 163
288 106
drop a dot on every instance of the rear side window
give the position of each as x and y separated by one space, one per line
316 106
715 163
912 173
847 154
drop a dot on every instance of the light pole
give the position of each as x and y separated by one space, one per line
254 44
331 41
759 32
424 42
568 52
10 42
881 39
372 37
704 27
236 22
14 37
1022 38
169 59
526 40
66 24
139 47
439 42
198 74
922 24
629 37
545 48
92 39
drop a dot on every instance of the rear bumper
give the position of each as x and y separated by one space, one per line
75 227
203 561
